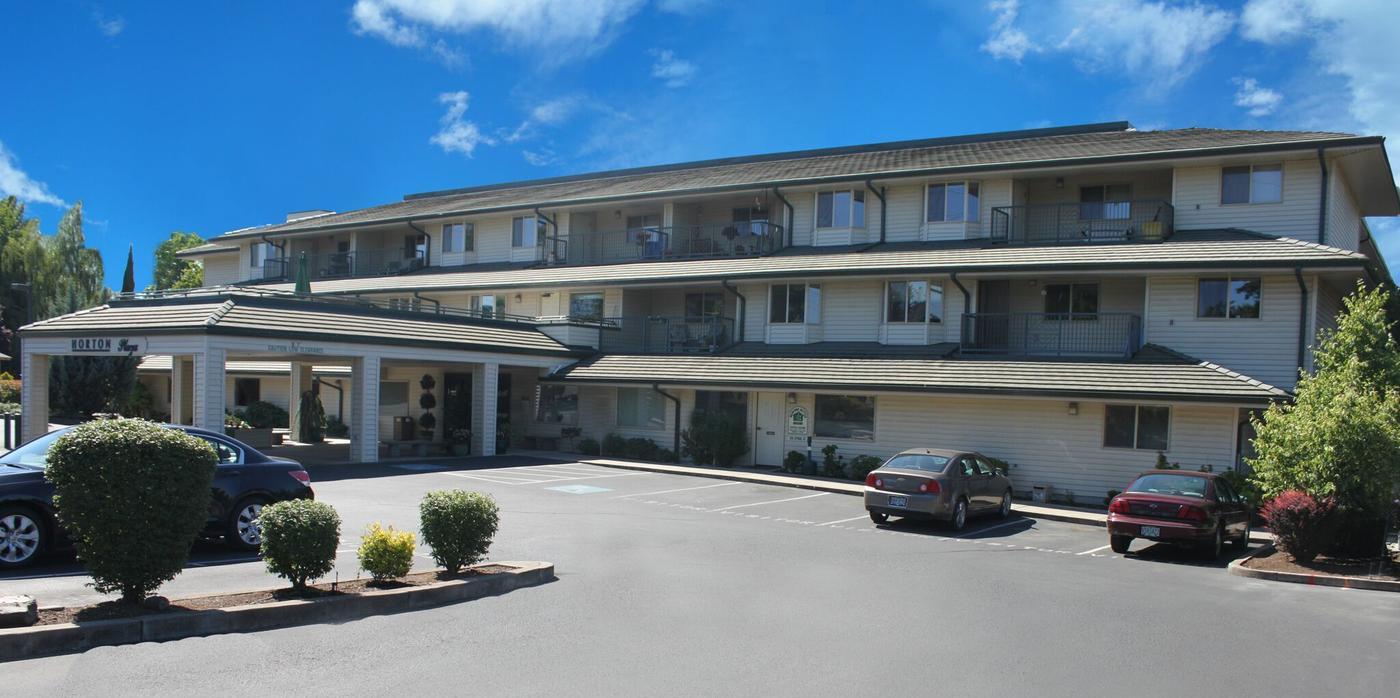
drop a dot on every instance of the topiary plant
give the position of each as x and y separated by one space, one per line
133 495
458 525
311 418
1301 522
385 553
299 538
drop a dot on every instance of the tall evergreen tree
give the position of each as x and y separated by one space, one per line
129 277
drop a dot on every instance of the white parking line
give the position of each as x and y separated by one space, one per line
853 518
775 501
682 489
1101 547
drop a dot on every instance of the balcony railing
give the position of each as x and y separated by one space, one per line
385 261
1104 221
667 335
1052 334
657 243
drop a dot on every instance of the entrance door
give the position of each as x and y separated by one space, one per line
456 403
768 429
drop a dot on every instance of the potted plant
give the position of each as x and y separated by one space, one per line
460 441
502 435
568 434
427 401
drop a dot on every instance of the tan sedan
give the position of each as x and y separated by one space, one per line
937 484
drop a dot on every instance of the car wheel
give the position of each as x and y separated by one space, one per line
21 536
1216 544
1005 509
1120 544
1243 541
243 530
959 518
879 518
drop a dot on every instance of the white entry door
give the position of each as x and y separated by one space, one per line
768 429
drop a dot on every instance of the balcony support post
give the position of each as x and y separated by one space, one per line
743 302
675 427
791 216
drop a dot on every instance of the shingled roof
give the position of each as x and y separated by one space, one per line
1064 146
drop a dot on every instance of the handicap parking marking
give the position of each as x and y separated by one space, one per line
680 489
579 489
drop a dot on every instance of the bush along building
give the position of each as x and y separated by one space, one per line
1074 301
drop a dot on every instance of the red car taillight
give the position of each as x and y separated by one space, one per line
872 481
1191 513
301 476
930 487
1118 506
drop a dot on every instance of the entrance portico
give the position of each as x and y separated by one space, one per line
406 352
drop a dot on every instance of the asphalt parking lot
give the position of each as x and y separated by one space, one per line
679 585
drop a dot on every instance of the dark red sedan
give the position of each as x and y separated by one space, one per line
1181 508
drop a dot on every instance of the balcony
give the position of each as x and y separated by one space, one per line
338 265
1091 222
666 335
1117 335
656 243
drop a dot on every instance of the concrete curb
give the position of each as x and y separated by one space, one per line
39 641
1238 569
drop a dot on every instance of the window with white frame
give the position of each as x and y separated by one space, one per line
795 304
525 232
841 209
1251 184
487 305
1071 301
458 237
1228 297
586 306
949 202
557 404
640 408
913 301
1145 427
260 252
1101 202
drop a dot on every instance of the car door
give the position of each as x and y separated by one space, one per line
1233 515
991 482
969 482
228 477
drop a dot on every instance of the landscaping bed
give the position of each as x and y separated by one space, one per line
1274 560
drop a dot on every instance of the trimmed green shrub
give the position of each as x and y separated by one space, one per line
234 421
614 445
385 553
641 449
133 496
862 465
794 461
589 447
666 455
832 464
9 408
458 525
263 415
9 390
299 539
715 437
1301 523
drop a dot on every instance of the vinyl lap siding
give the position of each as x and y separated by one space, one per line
1343 217
851 311
221 269
1196 197
906 214
1265 349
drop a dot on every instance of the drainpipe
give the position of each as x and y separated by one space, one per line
880 194
1322 203
437 304
791 217
1302 316
428 252
552 224
676 437
281 254
967 297
743 302
340 396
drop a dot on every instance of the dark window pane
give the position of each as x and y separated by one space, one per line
1153 424
935 303
1211 298
1234 185
936 195
974 206
247 391
896 302
918 301
517 232
586 306
824 212
858 210
1085 299
1244 298
777 304
845 417
797 303
1057 298
1091 203
1118 426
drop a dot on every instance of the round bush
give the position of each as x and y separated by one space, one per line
299 538
458 525
1301 523
133 496
385 553
589 447
263 415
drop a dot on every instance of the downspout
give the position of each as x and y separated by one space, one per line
437 304
552 224
743 303
967 297
427 253
1302 316
880 194
340 396
1322 203
281 254
791 217
676 438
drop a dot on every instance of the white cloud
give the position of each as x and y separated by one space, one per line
672 71
15 182
548 113
684 7
109 26
556 29
1273 21
540 157
1259 100
457 135
1152 42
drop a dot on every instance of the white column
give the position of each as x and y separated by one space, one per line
34 394
209 380
485 383
178 388
364 409
298 383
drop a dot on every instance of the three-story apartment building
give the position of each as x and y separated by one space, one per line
1073 300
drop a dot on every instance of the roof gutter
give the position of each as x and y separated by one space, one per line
791 217
1302 317
1322 197
676 432
880 194
743 303
437 304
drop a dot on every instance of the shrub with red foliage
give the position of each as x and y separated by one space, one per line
1300 522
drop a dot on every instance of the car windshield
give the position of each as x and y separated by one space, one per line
34 454
1180 485
918 461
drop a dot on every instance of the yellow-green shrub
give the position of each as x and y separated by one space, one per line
386 553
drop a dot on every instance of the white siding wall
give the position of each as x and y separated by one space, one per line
906 213
1343 217
851 311
1265 349
1197 201
222 269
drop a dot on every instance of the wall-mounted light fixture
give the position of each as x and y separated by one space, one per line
518 298
1074 408
792 398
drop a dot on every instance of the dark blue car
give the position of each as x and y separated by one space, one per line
245 481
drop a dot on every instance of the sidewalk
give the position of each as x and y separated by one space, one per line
1049 512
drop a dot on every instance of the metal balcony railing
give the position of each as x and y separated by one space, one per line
657 334
657 243
1146 220
1052 334
384 261
274 268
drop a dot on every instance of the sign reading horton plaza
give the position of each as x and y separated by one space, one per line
106 345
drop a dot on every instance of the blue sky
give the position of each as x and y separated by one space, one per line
213 116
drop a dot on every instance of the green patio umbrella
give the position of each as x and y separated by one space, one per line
303 277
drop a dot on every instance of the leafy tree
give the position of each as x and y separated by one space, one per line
170 270
80 386
77 269
192 277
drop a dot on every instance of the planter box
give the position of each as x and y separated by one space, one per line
257 438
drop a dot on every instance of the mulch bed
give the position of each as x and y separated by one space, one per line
112 610
1373 568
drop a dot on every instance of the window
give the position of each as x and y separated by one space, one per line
260 252
226 452
488 306
913 301
705 304
845 417
1076 301
952 201
1251 184
1230 297
795 303
722 402
557 404
458 237
393 398
640 408
586 306
1105 202
1136 426
415 247
756 220
841 209
404 303
525 232
246 391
